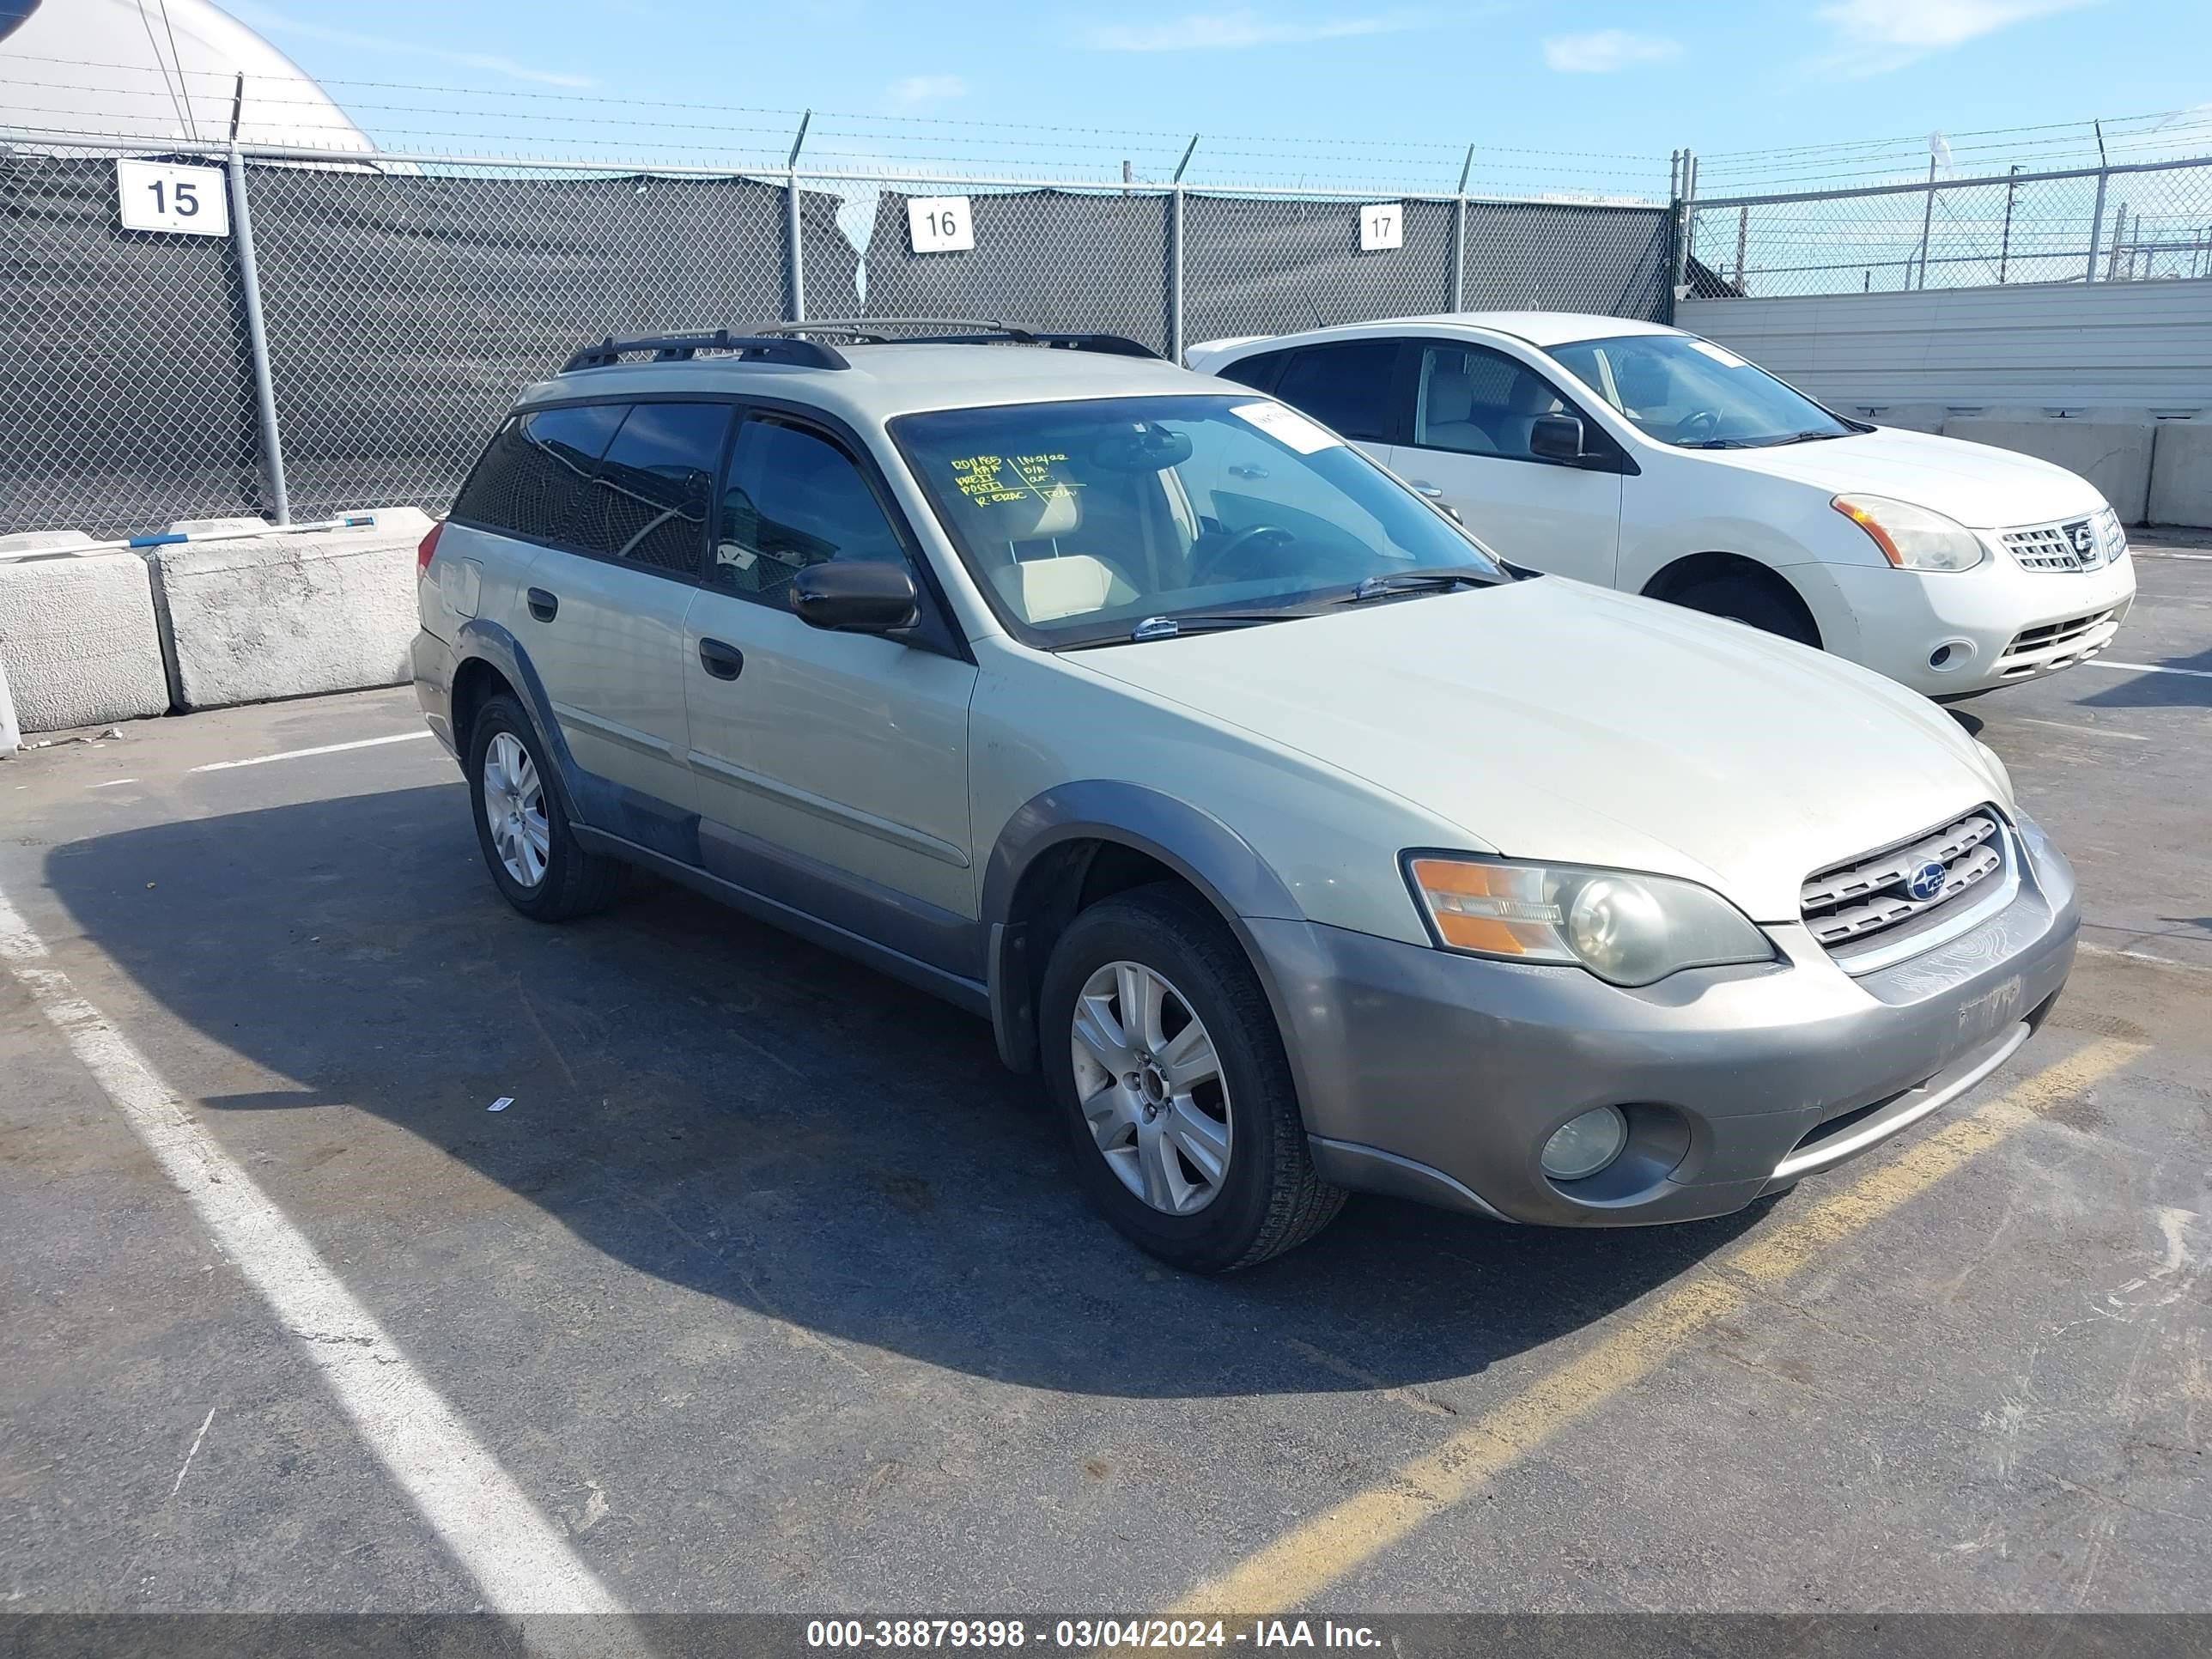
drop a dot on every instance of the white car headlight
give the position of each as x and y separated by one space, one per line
2111 536
1913 537
1626 928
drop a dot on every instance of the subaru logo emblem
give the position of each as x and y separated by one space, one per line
1924 881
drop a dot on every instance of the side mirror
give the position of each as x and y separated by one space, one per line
855 596
1555 437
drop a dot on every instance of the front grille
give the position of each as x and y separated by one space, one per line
1854 905
2070 544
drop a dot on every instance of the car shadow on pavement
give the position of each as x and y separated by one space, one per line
704 1099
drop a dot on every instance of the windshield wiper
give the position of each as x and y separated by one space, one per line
1808 438
1183 624
1418 581
1720 443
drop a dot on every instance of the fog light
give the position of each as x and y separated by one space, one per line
1583 1145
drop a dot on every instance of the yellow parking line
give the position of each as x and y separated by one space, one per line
1320 1552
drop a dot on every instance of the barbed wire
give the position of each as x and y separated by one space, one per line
540 126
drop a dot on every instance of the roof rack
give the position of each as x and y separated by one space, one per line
973 330
758 347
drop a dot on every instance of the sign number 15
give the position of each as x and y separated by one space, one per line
163 196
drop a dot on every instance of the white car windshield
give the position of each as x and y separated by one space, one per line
1082 521
1697 395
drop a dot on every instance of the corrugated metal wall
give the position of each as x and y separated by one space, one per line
2137 346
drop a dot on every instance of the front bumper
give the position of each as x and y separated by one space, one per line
1997 624
1440 1076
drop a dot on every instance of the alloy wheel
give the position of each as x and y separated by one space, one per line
514 810
1152 1087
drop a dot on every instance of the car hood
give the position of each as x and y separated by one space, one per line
1550 720
1978 485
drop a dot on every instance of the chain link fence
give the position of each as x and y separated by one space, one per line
2139 222
404 300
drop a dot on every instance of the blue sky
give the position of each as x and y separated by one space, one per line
1602 79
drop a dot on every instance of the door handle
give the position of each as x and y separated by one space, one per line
724 662
1428 490
543 605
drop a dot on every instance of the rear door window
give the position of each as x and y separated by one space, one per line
1258 370
537 468
1345 386
648 501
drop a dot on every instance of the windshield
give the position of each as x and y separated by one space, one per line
1695 394
1079 520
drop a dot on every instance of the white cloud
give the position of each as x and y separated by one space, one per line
268 22
1875 36
1605 50
1231 30
917 89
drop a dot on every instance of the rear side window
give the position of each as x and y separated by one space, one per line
1346 386
1258 370
648 502
536 469
793 499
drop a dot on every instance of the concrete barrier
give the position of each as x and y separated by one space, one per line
78 639
289 615
2181 474
1909 417
2114 458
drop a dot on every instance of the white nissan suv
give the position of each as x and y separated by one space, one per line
1641 458
1301 845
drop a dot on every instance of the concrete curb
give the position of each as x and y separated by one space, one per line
2181 474
89 638
289 615
79 642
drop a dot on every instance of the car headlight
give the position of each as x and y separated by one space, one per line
2111 536
1913 537
1625 928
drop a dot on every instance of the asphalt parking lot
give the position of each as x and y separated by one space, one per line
768 1291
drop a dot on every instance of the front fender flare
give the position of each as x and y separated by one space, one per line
1215 860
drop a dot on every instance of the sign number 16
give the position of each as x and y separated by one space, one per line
939 224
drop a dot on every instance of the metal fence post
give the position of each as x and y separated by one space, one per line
1927 221
1458 235
1685 208
256 339
2097 213
794 242
1174 256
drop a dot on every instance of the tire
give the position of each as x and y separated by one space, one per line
1748 599
562 880
1250 1190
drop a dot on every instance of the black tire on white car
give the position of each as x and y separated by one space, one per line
1748 599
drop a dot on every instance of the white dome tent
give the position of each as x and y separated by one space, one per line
162 71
